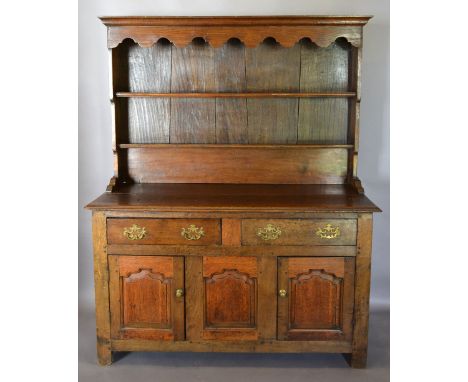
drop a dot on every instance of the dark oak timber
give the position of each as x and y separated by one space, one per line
235 197
234 95
293 165
235 220
327 282
358 357
101 287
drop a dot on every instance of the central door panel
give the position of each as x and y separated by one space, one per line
230 292
222 298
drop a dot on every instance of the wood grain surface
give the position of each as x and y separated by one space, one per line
231 114
164 231
101 289
271 165
242 198
230 298
142 297
286 95
239 346
270 67
324 120
234 250
319 301
193 120
358 357
251 30
264 94
299 231
231 231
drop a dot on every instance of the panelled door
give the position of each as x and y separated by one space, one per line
229 297
147 297
315 298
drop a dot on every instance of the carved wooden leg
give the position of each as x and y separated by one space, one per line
358 357
101 281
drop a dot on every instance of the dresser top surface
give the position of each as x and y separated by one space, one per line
234 197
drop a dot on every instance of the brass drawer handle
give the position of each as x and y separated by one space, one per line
179 293
282 293
135 232
270 232
328 232
192 232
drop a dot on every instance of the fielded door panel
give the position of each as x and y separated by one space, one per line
226 296
315 298
147 297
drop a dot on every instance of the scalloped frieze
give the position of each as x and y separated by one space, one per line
250 36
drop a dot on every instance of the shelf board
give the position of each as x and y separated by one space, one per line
237 95
246 146
172 197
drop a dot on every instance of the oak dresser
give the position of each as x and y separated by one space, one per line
235 220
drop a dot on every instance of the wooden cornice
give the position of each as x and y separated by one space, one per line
251 30
112 21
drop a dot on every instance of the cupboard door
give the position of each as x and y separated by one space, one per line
147 297
222 298
315 298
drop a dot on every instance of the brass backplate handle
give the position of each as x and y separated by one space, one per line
134 232
328 232
192 232
270 232
179 293
282 293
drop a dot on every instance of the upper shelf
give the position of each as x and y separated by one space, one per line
251 30
236 95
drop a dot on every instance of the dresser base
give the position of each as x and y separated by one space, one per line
296 281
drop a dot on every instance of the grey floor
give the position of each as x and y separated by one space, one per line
226 367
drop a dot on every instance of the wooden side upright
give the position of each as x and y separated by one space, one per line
358 357
101 286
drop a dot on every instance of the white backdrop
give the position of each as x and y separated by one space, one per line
95 154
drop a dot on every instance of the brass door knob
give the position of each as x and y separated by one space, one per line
282 293
179 292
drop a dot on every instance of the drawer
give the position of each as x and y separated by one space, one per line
299 232
164 231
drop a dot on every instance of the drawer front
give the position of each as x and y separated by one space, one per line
164 231
299 232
